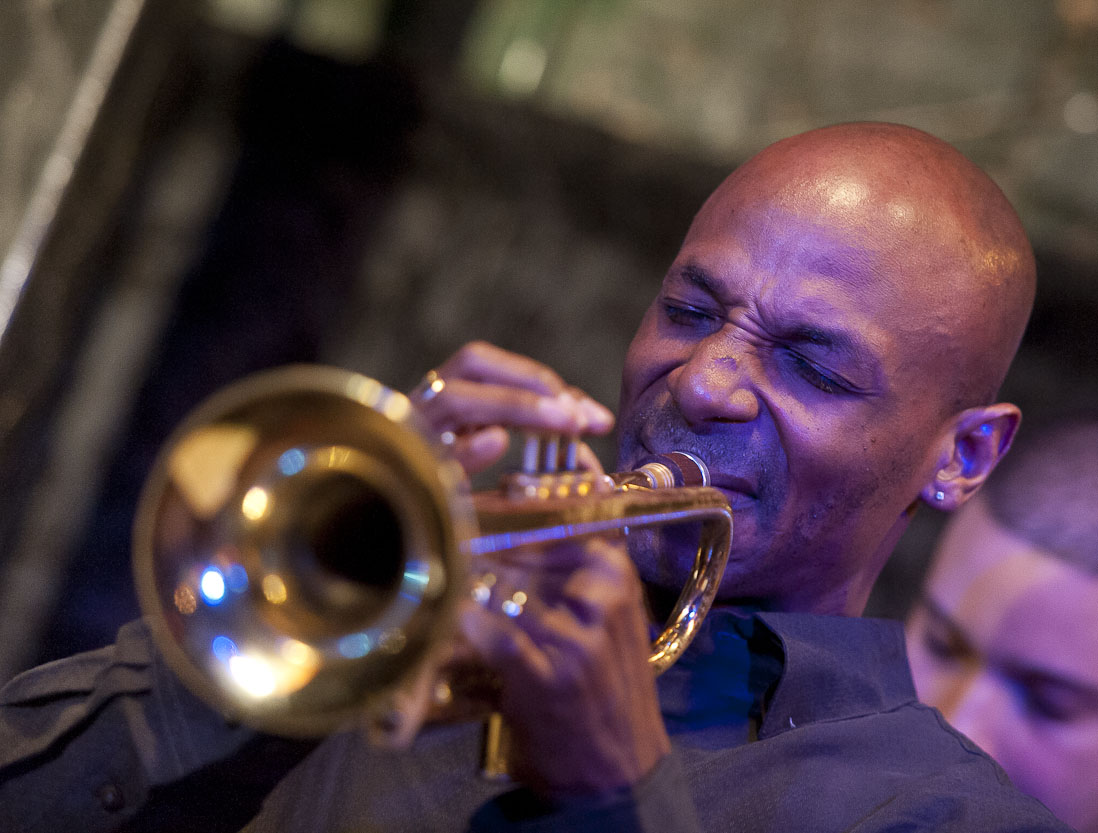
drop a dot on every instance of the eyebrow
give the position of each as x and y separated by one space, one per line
1030 675
701 278
850 263
926 601
938 613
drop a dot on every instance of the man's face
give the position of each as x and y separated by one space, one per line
1005 645
793 348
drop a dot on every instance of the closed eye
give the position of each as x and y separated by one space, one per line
1054 699
1046 705
827 382
684 315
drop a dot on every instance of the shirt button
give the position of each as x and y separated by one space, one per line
110 797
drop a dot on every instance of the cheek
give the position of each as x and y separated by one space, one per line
648 361
646 347
829 475
851 470
1058 768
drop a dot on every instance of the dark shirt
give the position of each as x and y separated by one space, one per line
780 722
845 745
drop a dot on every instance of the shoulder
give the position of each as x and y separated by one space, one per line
905 769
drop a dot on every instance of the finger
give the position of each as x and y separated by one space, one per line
602 582
557 635
394 721
502 645
600 419
548 650
590 596
480 448
586 459
479 361
490 365
513 606
562 613
461 405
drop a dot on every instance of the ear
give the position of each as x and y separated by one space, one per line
972 446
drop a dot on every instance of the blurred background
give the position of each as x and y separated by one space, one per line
191 191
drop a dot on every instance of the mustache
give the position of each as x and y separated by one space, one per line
728 449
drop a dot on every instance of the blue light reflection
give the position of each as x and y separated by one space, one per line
417 572
223 648
291 462
236 577
355 645
212 586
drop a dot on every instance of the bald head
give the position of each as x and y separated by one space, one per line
829 339
914 201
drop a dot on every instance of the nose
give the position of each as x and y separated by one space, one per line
713 384
976 705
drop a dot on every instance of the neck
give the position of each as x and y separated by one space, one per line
847 599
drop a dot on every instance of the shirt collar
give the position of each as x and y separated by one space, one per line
833 667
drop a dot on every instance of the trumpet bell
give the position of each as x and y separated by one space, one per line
297 548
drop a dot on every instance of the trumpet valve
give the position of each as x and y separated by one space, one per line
546 485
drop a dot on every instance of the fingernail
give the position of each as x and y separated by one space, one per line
577 412
564 412
599 417
556 410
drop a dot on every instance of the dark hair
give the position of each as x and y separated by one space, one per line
1045 491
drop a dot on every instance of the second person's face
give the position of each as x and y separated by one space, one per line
1004 645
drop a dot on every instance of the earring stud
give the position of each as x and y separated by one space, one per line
939 495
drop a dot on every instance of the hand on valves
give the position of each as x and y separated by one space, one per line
578 692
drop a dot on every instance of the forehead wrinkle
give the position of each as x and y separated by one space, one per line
853 251
852 265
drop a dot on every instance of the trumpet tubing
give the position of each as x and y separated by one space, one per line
303 541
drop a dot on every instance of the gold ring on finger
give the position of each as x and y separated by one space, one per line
429 387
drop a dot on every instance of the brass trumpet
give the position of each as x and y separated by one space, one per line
302 543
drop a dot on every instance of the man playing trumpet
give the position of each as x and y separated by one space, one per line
830 340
